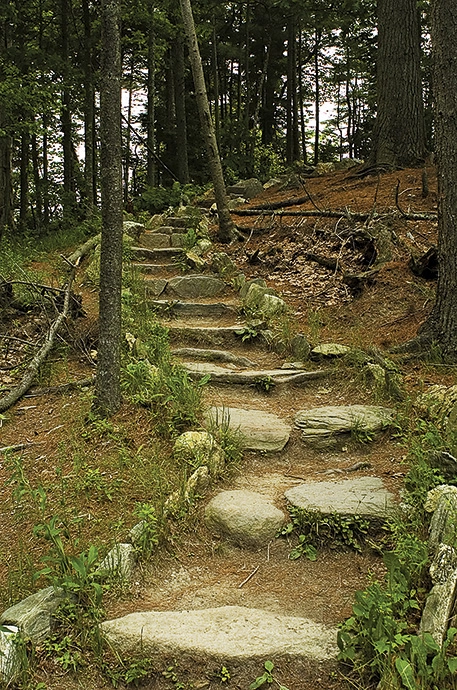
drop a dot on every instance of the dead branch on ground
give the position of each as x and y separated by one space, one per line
335 214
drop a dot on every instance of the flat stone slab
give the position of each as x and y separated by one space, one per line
366 496
193 308
321 422
157 269
244 517
156 255
224 634
199 354
155 287
207 335
261 377
329 350
260 430
190 286
156 240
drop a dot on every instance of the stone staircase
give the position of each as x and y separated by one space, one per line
232 598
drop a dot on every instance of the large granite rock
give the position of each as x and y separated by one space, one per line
246 188
329 350
118 563
260 430
11 655
191 286
324 424
199 448
365 496
219 635
244 517
442 542
34 614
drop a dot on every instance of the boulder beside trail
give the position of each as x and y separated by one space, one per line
244 517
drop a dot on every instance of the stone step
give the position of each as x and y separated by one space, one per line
179 222
209 336
186 286
193 309
222 635
259 430
161 240
165 255
326 426
264 378
158 269
199 354
364 496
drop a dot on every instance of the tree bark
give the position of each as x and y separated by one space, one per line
399 135
151 175
107 388
441 326
182 165
226 226
89 113
69 199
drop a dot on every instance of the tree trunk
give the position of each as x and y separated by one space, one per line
317 109
226 226
151 176
68 200
292 139
107 386
24 180
89 113
441 326
182 165
128 136
399 135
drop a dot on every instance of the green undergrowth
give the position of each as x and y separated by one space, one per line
379 643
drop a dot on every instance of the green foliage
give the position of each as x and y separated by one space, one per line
74 574
248 332
229 439
267 678
148 537
158 199
315 530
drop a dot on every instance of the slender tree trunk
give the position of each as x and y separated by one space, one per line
226 226
89 112
107 386
292 147
6 176
317 96
65 116
182 164
128 135
37 182
24 180
151 178
217 119
399 135
441 326
46 205
301 99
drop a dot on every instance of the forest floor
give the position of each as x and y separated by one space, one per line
96 499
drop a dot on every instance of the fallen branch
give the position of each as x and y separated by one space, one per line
13 449
335 214
63 388
16 393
